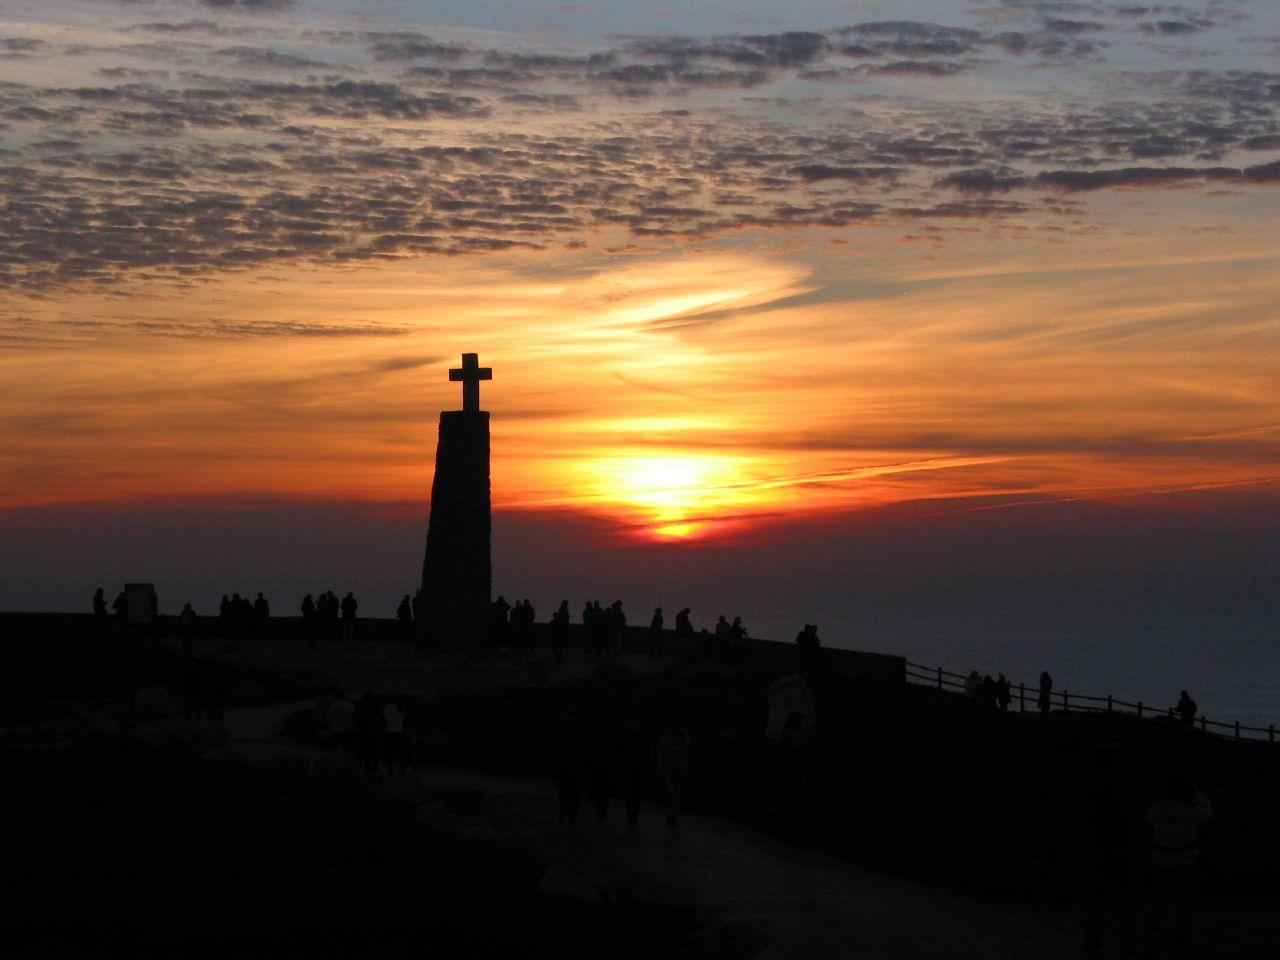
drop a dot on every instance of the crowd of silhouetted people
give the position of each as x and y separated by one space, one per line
382 733
596 763
602 630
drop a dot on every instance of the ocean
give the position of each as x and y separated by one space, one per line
1229 669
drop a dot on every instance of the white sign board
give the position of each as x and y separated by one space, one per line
789 694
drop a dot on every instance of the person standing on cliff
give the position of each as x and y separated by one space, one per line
349 607
655 633
560 630
1046 687
1187 709
1174 822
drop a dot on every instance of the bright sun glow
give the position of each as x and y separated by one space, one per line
670 496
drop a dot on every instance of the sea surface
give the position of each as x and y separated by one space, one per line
1232 670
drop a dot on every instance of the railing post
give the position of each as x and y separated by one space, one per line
1139 709
1108 703
1022 698
1237 729
939 678
1066 705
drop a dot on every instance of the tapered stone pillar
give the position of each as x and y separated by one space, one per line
457 572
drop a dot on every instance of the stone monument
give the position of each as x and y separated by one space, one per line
457 572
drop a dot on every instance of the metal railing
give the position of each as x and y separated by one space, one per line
1063 699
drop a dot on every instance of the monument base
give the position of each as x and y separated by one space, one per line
457 571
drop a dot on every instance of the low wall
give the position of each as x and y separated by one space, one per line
875 668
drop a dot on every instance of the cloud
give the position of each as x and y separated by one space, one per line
1073 181
337 146
15 48
248 5
1176 28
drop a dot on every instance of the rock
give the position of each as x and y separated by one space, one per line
153 703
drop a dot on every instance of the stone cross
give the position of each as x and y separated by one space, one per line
471 373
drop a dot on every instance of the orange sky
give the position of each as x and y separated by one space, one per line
732 381
735 267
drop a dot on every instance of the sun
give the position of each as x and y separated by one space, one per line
670 496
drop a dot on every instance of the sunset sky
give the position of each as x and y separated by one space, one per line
747 273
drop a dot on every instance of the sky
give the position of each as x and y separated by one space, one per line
775 296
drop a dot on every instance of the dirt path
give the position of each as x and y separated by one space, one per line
757 893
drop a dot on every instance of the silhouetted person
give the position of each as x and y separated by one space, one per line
349 607
528 636
310 626
737 641
1108 802
1004 693
617 627
1174 823
238 605
187 628
1187 709
261 608
706 645
633 760
972 685
224 612
672 764
809 644
329 608
595 626
393 724
404 614
655 633
1046 688
341 721
684 627
570 761
560 630
988 691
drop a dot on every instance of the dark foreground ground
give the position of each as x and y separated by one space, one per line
119 841
910 782
914 782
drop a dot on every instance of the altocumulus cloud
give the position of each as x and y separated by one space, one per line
233 142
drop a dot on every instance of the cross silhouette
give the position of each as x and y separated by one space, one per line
471 373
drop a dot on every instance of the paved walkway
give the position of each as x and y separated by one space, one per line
751 890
